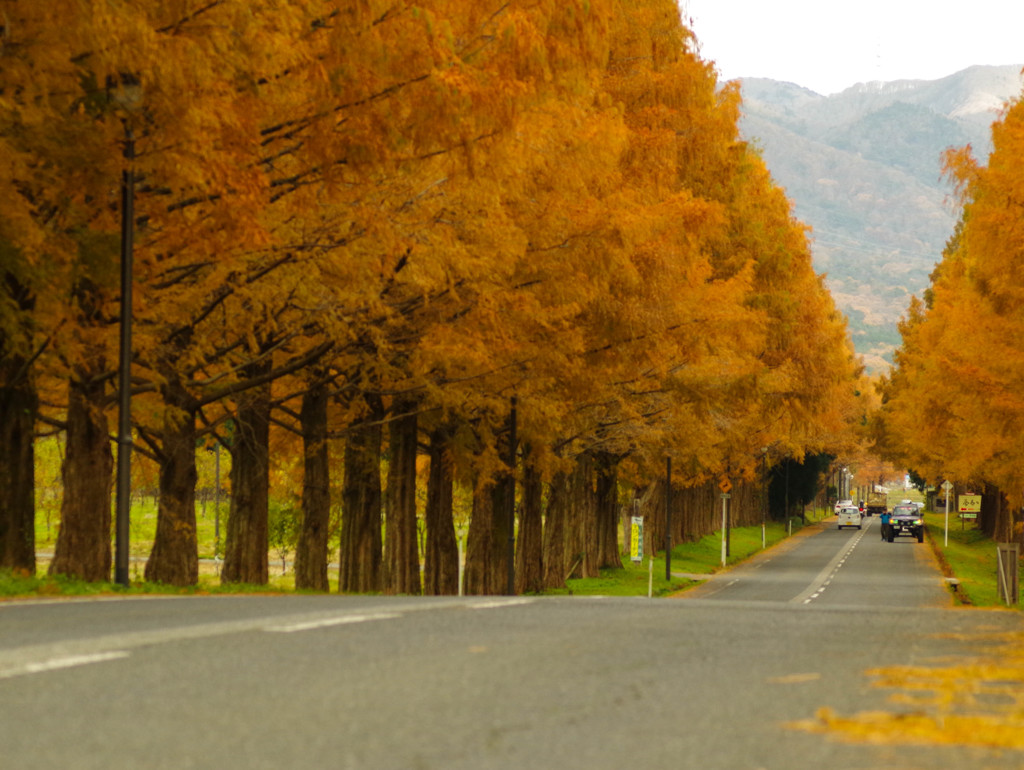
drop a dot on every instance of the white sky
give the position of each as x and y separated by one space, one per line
829 45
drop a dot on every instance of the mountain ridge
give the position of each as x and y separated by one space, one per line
863 169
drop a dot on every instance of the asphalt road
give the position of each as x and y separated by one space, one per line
710 681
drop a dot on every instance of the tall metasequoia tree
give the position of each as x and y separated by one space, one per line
83 542
18 404
529 556
492 522
486 552
360 554
606 505
401 570
441 552
581 520
311 552
556 562
48 225
174 558
247 541
672 335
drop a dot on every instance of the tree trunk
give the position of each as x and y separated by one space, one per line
607 512
360 557
529 539
652 509
581 520
503 523
83 542
174 559
311 554
479 577
487 557
441 560
555 562
247 541
17 465
401 550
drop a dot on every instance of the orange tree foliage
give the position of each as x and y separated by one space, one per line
449 201
953 407
757 354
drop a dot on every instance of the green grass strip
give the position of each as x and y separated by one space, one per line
700 557
970 557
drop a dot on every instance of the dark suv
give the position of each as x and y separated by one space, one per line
906 520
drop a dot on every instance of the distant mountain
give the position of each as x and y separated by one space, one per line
863 168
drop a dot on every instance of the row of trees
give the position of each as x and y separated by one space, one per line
953 406
385 223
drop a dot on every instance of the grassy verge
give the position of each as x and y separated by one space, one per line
700 557
142 529
13 584
970 557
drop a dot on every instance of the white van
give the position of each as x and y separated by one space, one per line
849 517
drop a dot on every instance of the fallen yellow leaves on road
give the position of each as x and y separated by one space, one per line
969 702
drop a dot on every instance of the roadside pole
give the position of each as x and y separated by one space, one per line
725 508
510 501
764 497
123 500
668 519
946 486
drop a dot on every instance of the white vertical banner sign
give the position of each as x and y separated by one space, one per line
636 539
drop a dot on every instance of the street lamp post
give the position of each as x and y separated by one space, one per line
124 427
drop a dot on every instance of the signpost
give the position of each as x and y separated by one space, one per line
970 506
946 486
725 485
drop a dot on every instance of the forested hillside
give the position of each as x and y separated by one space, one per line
382 245
864 169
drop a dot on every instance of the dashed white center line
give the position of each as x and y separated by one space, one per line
825 578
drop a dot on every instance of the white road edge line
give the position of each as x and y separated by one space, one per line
498 603
311 625
55 664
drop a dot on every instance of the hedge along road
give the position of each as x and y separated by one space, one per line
712 681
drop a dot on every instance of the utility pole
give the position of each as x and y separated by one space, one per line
511 500
124 424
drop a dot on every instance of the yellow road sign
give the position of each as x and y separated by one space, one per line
725 485
970 503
